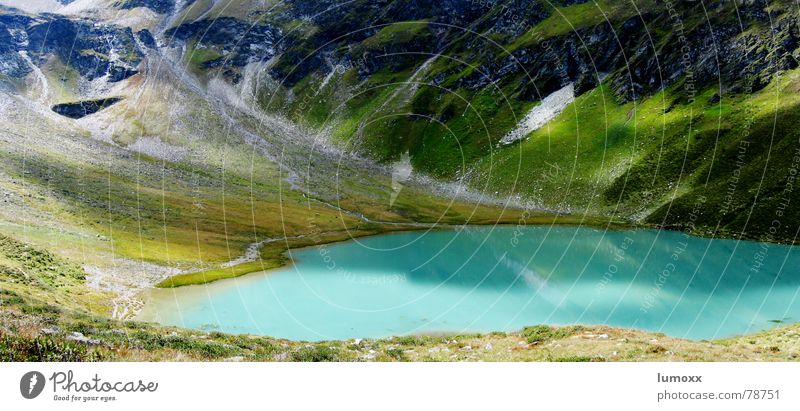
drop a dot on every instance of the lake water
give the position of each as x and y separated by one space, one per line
501 278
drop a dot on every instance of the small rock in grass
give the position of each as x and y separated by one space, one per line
80 338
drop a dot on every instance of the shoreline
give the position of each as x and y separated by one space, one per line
259 263
461 333
503 232
269 259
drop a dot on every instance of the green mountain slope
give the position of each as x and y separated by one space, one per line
667 95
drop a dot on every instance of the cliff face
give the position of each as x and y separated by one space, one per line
738 45
527 48
158 6
93 50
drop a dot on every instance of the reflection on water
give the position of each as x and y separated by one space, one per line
502 278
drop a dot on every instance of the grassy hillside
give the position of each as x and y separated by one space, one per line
657 159
649 136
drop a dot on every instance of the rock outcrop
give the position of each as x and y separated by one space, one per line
94 50
80 109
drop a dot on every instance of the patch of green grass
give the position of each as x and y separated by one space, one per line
8 297
759 146
567 162
44 310
205 349
193 11
315 353
660 158
566 19
207 276
410 340
398 33
397 354
199 56
34 264
272 255
543 333
577 358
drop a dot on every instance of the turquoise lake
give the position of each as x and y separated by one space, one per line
501 278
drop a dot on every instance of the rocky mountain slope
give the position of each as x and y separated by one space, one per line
118 156
667 93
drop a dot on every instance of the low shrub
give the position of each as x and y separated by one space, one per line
315 353
542 333
15 348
